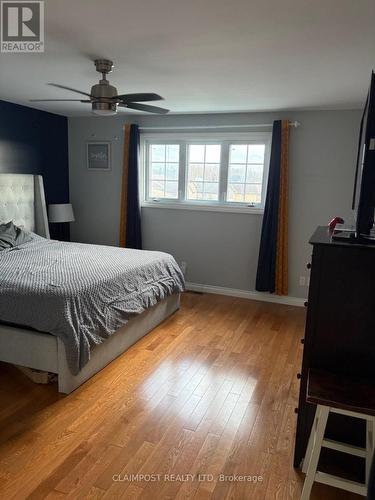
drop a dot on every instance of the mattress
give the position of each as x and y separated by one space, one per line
82 293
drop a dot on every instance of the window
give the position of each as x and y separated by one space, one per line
211 171
245 174
164 166
203 172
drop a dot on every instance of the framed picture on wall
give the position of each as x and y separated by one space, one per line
98 155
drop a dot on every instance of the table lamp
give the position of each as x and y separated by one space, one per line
61 213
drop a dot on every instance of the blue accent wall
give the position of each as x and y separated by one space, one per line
35 142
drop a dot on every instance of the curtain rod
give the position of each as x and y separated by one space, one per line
294 124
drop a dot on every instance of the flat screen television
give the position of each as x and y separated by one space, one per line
364 186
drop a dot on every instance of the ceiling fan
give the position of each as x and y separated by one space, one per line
104 98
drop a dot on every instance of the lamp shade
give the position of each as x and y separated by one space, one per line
60 212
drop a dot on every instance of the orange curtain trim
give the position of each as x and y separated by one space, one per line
281 278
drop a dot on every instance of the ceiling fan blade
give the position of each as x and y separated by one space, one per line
57 100
139 97
68 88
144 107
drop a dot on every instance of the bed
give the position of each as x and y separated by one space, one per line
63 284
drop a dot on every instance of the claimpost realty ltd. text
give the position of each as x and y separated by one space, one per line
182 478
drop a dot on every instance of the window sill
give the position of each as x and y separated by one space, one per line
202 207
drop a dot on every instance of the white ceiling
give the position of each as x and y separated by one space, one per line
203 55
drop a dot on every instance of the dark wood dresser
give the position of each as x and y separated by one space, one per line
340 331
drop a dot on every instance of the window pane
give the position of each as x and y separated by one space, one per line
212 173
195 190
172 171
237 173
245 174
236 193
196 172
213 153
157 152
163 171
157 171
203 172
196 153
210 187
256 153
157 189
254 173
173 153
238 153
253 193
171 189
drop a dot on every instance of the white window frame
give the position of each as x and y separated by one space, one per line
225 139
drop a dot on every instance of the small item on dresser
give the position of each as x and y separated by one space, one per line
334 221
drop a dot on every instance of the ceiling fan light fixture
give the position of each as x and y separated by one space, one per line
104 108
105 99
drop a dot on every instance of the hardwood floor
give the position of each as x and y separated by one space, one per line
210 392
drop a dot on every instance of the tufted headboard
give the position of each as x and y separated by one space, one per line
22 200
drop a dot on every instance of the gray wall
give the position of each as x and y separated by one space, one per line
222 248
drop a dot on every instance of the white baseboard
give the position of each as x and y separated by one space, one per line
246 294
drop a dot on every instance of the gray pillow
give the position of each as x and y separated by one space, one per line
7 235
12 236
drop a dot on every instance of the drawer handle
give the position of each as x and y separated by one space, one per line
299 376
296 410
308 265
302 341
306 303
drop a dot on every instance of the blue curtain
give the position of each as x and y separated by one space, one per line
371 485
130 225
265 280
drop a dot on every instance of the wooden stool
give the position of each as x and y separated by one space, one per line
337 394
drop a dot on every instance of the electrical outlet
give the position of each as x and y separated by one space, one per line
302 281
183 267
